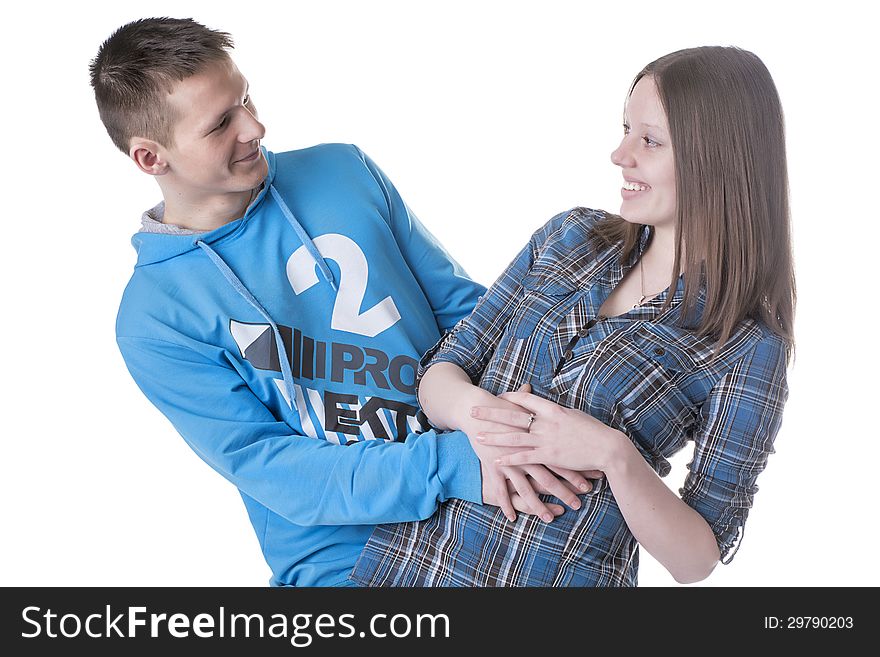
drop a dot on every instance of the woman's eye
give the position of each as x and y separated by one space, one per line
247 100
650 143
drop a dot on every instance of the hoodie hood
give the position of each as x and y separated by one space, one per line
156 247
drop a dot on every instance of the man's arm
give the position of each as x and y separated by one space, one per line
450 291
305 480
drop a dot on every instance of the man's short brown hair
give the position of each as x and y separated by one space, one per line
136 68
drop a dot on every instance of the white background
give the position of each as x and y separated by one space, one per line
490 117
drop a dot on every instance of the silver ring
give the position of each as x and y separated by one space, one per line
529 425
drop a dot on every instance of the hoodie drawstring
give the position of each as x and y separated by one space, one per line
239 287
304 238
245 294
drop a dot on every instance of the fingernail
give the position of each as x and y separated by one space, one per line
481 438
546 517
575 505
584 487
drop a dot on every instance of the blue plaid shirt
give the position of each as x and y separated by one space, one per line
640 373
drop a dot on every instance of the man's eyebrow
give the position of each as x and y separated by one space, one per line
212 125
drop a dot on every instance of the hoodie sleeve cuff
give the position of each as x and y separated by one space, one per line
458 468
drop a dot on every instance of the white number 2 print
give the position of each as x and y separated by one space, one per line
354 272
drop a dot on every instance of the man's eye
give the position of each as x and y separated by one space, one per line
221 124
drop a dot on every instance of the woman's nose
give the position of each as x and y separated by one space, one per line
621 156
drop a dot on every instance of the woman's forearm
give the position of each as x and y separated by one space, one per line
448 398
674 534
671 531
446 395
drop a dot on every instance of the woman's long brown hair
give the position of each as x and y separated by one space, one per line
728 138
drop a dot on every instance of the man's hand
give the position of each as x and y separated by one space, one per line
500 490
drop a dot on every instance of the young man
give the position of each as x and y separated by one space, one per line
278 308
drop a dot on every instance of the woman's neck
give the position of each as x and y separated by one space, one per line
658 259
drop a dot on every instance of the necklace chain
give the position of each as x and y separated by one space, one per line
644 296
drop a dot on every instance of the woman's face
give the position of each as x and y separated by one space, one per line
645 157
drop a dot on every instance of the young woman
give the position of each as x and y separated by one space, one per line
637 333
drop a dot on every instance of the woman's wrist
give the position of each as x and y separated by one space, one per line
619 454
461 410
446 396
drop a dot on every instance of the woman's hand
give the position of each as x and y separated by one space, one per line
447 395
516 488
513 488
557 437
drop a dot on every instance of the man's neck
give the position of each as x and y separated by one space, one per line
205 214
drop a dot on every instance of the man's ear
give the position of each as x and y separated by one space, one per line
149 156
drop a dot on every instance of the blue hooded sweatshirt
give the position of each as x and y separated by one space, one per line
283 347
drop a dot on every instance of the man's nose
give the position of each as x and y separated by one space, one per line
251 129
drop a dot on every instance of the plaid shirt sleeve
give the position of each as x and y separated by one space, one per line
473 340
734 438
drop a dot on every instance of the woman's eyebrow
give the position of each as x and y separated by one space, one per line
642 123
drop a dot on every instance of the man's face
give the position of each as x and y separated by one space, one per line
216 135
